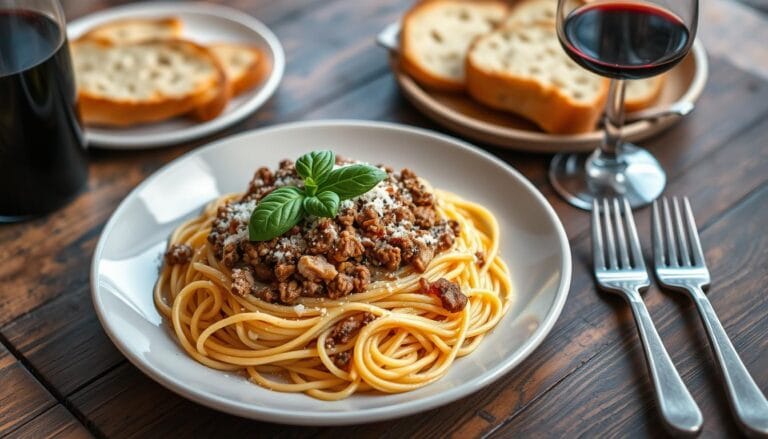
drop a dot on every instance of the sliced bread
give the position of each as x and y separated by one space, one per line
643 93
136 30
245 66
524 70
436 34
532 11
126 84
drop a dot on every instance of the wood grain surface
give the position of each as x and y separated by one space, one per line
62 377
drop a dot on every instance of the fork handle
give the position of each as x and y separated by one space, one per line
678 409
747 401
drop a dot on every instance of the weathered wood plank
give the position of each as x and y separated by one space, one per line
126 404
56 422
22 397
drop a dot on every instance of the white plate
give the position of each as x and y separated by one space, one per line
125 265
203 23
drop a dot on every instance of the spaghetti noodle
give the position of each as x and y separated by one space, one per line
411 340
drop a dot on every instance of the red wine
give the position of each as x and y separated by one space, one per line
42 150
625 40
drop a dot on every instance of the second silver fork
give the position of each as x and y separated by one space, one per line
619 268
679 262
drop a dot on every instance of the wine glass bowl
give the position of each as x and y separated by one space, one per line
621 40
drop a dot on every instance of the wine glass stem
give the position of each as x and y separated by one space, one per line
613 120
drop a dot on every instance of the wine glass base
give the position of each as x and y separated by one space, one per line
579 178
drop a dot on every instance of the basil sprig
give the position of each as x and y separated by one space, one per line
324 188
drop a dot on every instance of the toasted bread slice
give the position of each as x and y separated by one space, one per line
136 30
245 66
149 81
532 11
524 70
525 12
642 93
436 34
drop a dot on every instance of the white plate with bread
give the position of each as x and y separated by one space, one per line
155 74
494 72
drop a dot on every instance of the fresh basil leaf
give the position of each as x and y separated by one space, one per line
351 181
324 204
276 213
310 186
315 165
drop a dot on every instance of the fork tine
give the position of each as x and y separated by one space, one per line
634 240
658 238
670 235
682 242
693 234
598 251
609 241
621 239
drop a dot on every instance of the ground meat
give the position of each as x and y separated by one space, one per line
312 289
284 271
385 255
266 294
316 268
289 291
262 272
395 225
423 256
480 259
348 246
368 220
320 239
230 255
451 297
242 281
361 278
424 216
262 178
346 329
347 217
404 214
419 193
342 359
340 286
178 254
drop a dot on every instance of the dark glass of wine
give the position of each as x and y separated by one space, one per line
622 40
42 150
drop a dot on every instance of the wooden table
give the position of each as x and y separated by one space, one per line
61 375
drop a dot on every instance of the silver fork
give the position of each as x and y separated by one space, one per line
619 268
680 265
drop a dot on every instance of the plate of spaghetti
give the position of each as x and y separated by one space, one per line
331 272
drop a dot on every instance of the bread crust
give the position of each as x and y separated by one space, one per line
546 105
101 32
96 109
254 73
410 61
642 102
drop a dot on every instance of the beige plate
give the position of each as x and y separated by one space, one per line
459 113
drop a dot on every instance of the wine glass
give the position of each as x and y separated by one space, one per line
622 40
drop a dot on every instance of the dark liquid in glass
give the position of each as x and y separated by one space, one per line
42 151
625 40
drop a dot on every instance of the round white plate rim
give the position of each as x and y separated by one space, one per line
264 413
142 141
